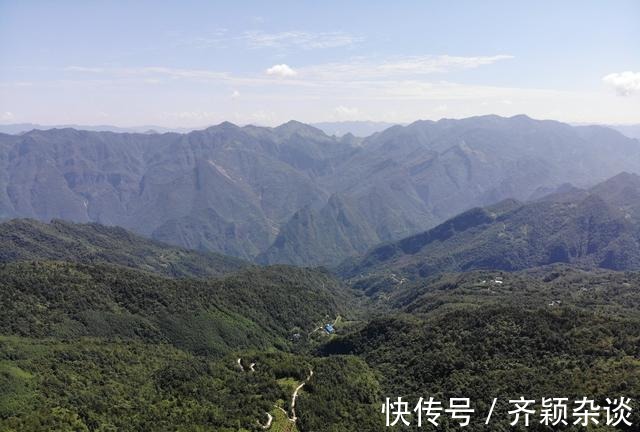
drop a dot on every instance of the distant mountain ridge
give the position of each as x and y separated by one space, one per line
357 128
292 194
20 128
594 228
632 131
360 129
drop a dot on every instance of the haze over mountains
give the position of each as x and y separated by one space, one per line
339 128
632 131
490 302
357 128
590 228
293 194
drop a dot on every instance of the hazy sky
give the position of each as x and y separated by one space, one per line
194 63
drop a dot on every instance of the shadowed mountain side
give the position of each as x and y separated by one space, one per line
265 193
29 240
599 227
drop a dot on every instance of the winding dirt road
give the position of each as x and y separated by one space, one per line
293 417
252 366
269 421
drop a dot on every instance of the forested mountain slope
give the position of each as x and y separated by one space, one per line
26 239
594 228
550 332
257 308
103 330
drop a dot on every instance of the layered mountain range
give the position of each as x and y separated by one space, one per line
598 227
490 302
293 194
103 324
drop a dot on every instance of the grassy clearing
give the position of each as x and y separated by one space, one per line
281 422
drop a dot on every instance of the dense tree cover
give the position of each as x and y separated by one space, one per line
555 332
255 308
93 384
343 396
25 239
600 291
105 347
101 345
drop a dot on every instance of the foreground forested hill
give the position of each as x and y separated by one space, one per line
106 337
107 343
552 332
93 384
257 308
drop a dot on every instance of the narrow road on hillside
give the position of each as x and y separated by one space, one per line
252 366
293 417
294 397
269 421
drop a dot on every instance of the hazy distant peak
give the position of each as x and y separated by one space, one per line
419 123
483 120
521 117
631 130
618 182
295 127
225 125
626 176
359 128
22 128
66 131
350 139
294 124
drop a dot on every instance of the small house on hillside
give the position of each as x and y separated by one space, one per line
329 329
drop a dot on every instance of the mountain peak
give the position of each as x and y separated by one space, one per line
292 123
224 127
626 176
622 190
520 117
621 180
227 125
295 127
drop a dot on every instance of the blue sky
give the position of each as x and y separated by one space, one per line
194 63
